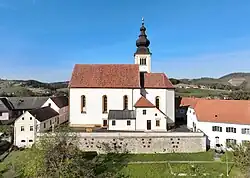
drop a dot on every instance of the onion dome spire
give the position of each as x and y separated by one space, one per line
142 42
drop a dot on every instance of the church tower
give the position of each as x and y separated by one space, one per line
142 54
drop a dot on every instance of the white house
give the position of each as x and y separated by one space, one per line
100 93
223 121
61 105
28 124
52 113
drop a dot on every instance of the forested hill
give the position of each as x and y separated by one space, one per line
32 88
241 80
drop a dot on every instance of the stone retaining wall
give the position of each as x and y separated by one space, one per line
145 142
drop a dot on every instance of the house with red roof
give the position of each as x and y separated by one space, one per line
122 96
223 121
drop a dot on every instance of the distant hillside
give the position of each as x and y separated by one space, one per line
32 88
229 81
235 75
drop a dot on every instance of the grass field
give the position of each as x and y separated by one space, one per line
164 170
203 156
133 169
160 170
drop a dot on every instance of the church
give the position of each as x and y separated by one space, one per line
122 97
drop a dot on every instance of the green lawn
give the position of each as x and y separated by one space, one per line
163 170
203 156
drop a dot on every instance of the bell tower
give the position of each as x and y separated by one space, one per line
142 54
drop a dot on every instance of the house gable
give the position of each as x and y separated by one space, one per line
50 103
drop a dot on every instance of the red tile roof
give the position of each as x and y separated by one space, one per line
143 103
222 111
189 101
105 76
157 80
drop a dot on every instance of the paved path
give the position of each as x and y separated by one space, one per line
162 162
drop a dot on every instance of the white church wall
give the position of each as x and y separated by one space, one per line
94 115
167 100
170 104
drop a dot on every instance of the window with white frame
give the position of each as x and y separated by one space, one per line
31 128
113 122
22 128
216 128
231 129
245 131
128 122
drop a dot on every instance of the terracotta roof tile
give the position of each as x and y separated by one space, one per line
221 111
144 103
189 101
157 80
105 76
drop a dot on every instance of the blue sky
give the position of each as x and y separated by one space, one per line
43 39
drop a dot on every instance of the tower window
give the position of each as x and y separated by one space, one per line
125 102
143 61
104 104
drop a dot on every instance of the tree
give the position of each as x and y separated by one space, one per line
241 157
57 155
174 81
240 95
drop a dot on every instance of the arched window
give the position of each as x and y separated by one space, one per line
104 104
83 104
125 102
157 102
